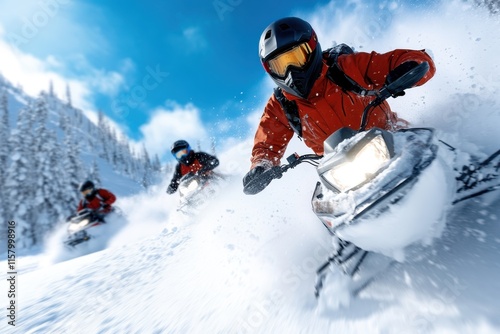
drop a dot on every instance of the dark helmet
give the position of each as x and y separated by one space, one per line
87 188
290 53
182 151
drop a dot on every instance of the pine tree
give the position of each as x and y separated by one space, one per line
49 172
51 89
63 119
492 5
94 175
20 179
4 153
156 164
68 97
73 170
147 176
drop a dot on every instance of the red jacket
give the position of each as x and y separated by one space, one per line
202 163
102 197
328 108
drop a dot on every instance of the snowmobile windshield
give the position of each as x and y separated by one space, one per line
297 56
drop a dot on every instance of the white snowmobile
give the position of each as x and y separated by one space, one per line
364 175
195 189
85 225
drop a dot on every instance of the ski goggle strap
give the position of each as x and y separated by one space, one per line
297 56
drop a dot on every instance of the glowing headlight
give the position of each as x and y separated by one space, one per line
192 186
360 168
79 226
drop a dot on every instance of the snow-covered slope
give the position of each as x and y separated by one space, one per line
238 269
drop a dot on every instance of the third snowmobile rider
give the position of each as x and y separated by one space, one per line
189 162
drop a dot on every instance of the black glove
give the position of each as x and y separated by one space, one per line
104 206
398 72
252 174
259 177
171 189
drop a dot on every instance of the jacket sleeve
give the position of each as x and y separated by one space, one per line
371 69
108 197
208 161
80 206
174 183
272 136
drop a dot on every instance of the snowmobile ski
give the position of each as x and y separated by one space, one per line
363 268
478 179
348 257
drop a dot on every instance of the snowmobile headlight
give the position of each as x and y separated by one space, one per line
78 226
359 167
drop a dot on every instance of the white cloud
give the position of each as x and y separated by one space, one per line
170 123
34 75
194 39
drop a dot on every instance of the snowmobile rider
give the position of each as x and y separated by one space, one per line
200 163
96 199
320 91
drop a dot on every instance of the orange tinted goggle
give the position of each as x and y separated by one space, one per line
297 56
87 192
181 153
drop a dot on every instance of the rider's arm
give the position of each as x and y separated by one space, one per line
174 183
371 69
272 136
108 197
208 161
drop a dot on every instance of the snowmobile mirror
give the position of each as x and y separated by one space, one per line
407 80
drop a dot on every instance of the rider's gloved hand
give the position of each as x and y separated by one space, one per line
254 181
171 189
252 174
104 207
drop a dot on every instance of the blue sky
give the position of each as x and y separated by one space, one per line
158 69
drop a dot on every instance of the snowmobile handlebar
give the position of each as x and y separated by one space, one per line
260 182
394 89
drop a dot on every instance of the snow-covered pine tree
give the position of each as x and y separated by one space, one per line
147 177
49 199
125 156
103 129
20 180
51 89
73 169
156 164
64 121
4 154
492 5
68 96
94 174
